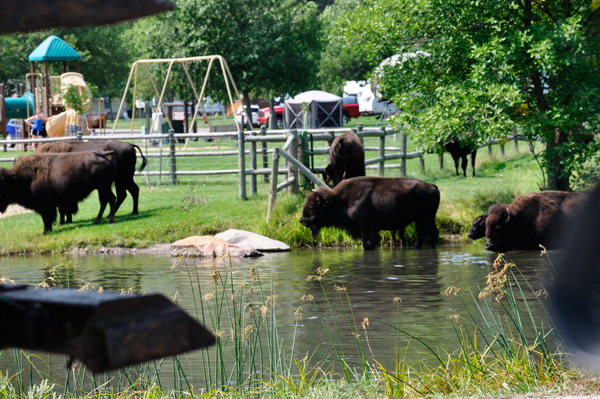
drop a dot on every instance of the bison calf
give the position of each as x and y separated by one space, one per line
346 159
530 220
477 229
44 182
363 206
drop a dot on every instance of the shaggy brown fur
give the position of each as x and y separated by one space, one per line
363 206
125 157
530 220
346 159
44 182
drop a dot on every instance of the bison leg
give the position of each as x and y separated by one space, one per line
106 196
135 193
369 237
48 216
463 165
473 155
456 159
400 241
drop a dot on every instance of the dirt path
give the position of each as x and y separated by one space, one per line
14 210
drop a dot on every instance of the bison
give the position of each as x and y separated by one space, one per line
44 182
477 229
125 157
530 220
460 151
346 159
363 206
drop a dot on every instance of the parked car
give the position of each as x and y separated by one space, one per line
240 116
349 106
351 110
265 114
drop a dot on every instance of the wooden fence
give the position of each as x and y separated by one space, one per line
298 149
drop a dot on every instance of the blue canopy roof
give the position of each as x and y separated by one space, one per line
54 49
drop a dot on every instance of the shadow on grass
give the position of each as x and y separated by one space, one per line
121 218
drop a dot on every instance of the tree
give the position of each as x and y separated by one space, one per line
489 67
338 61
271 46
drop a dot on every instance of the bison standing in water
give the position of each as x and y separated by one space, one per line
44 182
530 220
363 206
346 159
477 229
125 157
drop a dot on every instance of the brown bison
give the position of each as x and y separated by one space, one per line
363 206
460 151
44 182
477 229
346 159
125 157
530 220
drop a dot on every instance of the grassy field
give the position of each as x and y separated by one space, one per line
209 204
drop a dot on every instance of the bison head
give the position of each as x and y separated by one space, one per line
7 179
315 209
477 229
498 229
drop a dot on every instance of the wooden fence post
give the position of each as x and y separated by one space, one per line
502 149
441 161
3 118
253 165
490 150
359 129
516 139
382 152
403 159
265 157
273 189
422 164
292 170
242 164
172 157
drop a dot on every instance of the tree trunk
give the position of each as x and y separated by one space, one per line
556 178
272 116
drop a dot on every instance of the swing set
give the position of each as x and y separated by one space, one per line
228 79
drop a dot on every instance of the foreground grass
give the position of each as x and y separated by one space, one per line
208 205
504 349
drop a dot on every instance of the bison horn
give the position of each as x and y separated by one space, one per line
317 194
508 218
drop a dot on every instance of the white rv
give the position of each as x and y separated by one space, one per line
370 104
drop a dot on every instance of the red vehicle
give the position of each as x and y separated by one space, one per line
349 104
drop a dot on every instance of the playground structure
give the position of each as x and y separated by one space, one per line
162 107
44 91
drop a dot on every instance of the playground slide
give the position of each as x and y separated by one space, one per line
56 126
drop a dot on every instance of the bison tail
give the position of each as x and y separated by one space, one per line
144 160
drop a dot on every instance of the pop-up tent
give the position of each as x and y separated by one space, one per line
324 110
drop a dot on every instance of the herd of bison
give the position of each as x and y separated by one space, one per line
61 174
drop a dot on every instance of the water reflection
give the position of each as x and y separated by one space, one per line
371 280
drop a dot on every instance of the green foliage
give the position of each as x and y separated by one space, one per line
487 68
72 98
339 62
270 46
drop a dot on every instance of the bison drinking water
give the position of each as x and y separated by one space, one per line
530 220
363 206
44 182
477 229
125 157
346 159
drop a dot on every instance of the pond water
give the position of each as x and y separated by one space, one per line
372 280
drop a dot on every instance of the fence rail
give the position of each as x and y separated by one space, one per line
299 149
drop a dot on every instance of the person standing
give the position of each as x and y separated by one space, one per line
74 122
37 126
